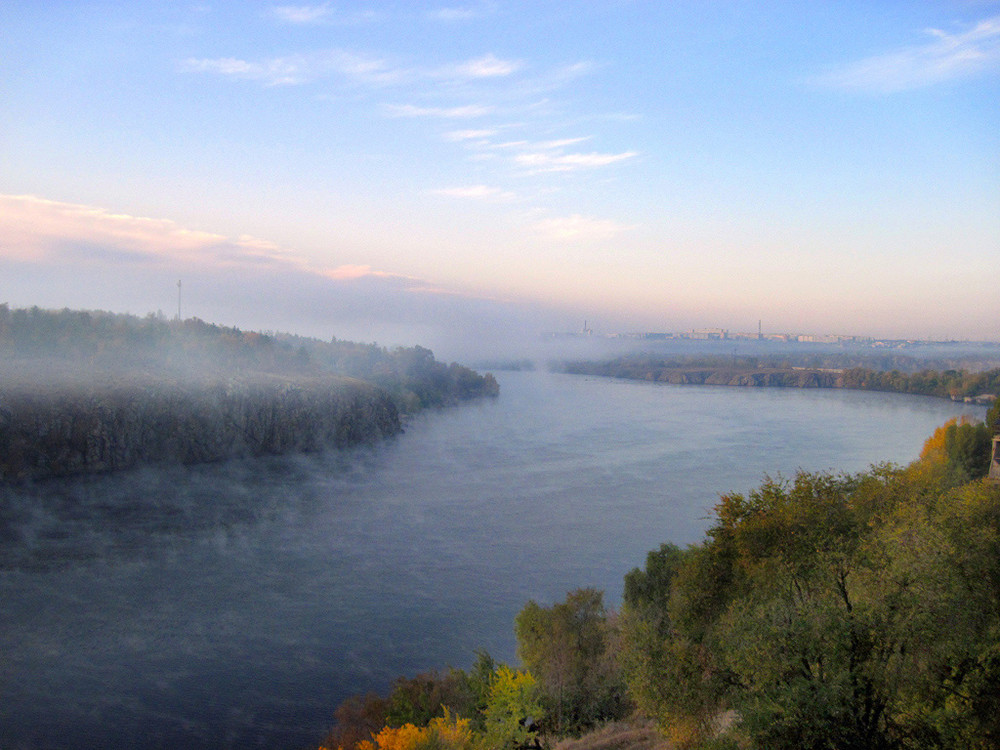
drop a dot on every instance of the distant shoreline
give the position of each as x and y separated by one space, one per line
950 385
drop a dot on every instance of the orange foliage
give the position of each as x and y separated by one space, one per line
443 732
935 445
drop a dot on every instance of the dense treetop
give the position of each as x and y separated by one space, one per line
75 342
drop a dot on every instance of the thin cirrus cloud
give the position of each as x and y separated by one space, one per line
469 135
298 69
945 57
487 66
317 15
577 228
451 113
451 15
302 14
294 70
538 145
541 161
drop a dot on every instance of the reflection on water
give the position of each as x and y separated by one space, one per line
237 604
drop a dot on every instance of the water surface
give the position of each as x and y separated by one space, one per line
235 605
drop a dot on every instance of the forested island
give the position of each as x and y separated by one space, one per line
89 391
785 372
824 610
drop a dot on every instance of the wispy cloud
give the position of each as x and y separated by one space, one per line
302 14
545 145
40 229
477 192
464 111
277 72
478 88
487 66
307 67
300 69
562 143
452 15
543 161
352 271
323 14
469 135
577 228
943 58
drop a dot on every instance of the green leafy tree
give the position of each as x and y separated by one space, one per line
939 561
569 647
667 668
833 612
515 700
993 418
961 449
477 686
417 700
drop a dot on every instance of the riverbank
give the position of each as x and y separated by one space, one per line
89 392
956 385
64 429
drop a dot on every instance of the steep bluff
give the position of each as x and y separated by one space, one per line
90 391
61 430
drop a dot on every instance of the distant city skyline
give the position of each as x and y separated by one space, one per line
725 334
456 174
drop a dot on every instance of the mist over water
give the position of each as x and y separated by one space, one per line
235 605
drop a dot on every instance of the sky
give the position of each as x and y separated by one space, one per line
478 172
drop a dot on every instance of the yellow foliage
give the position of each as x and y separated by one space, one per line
454 732
405 737
443 732
934 445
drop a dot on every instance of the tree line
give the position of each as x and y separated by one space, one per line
828 372
87 391
71 342
826 610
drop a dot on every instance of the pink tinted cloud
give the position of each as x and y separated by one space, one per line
38 229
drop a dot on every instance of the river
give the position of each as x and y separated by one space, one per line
235 605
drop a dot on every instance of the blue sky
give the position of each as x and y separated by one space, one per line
416 171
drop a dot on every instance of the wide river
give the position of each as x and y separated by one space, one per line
236 605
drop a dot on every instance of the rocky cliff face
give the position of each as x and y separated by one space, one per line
65 430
